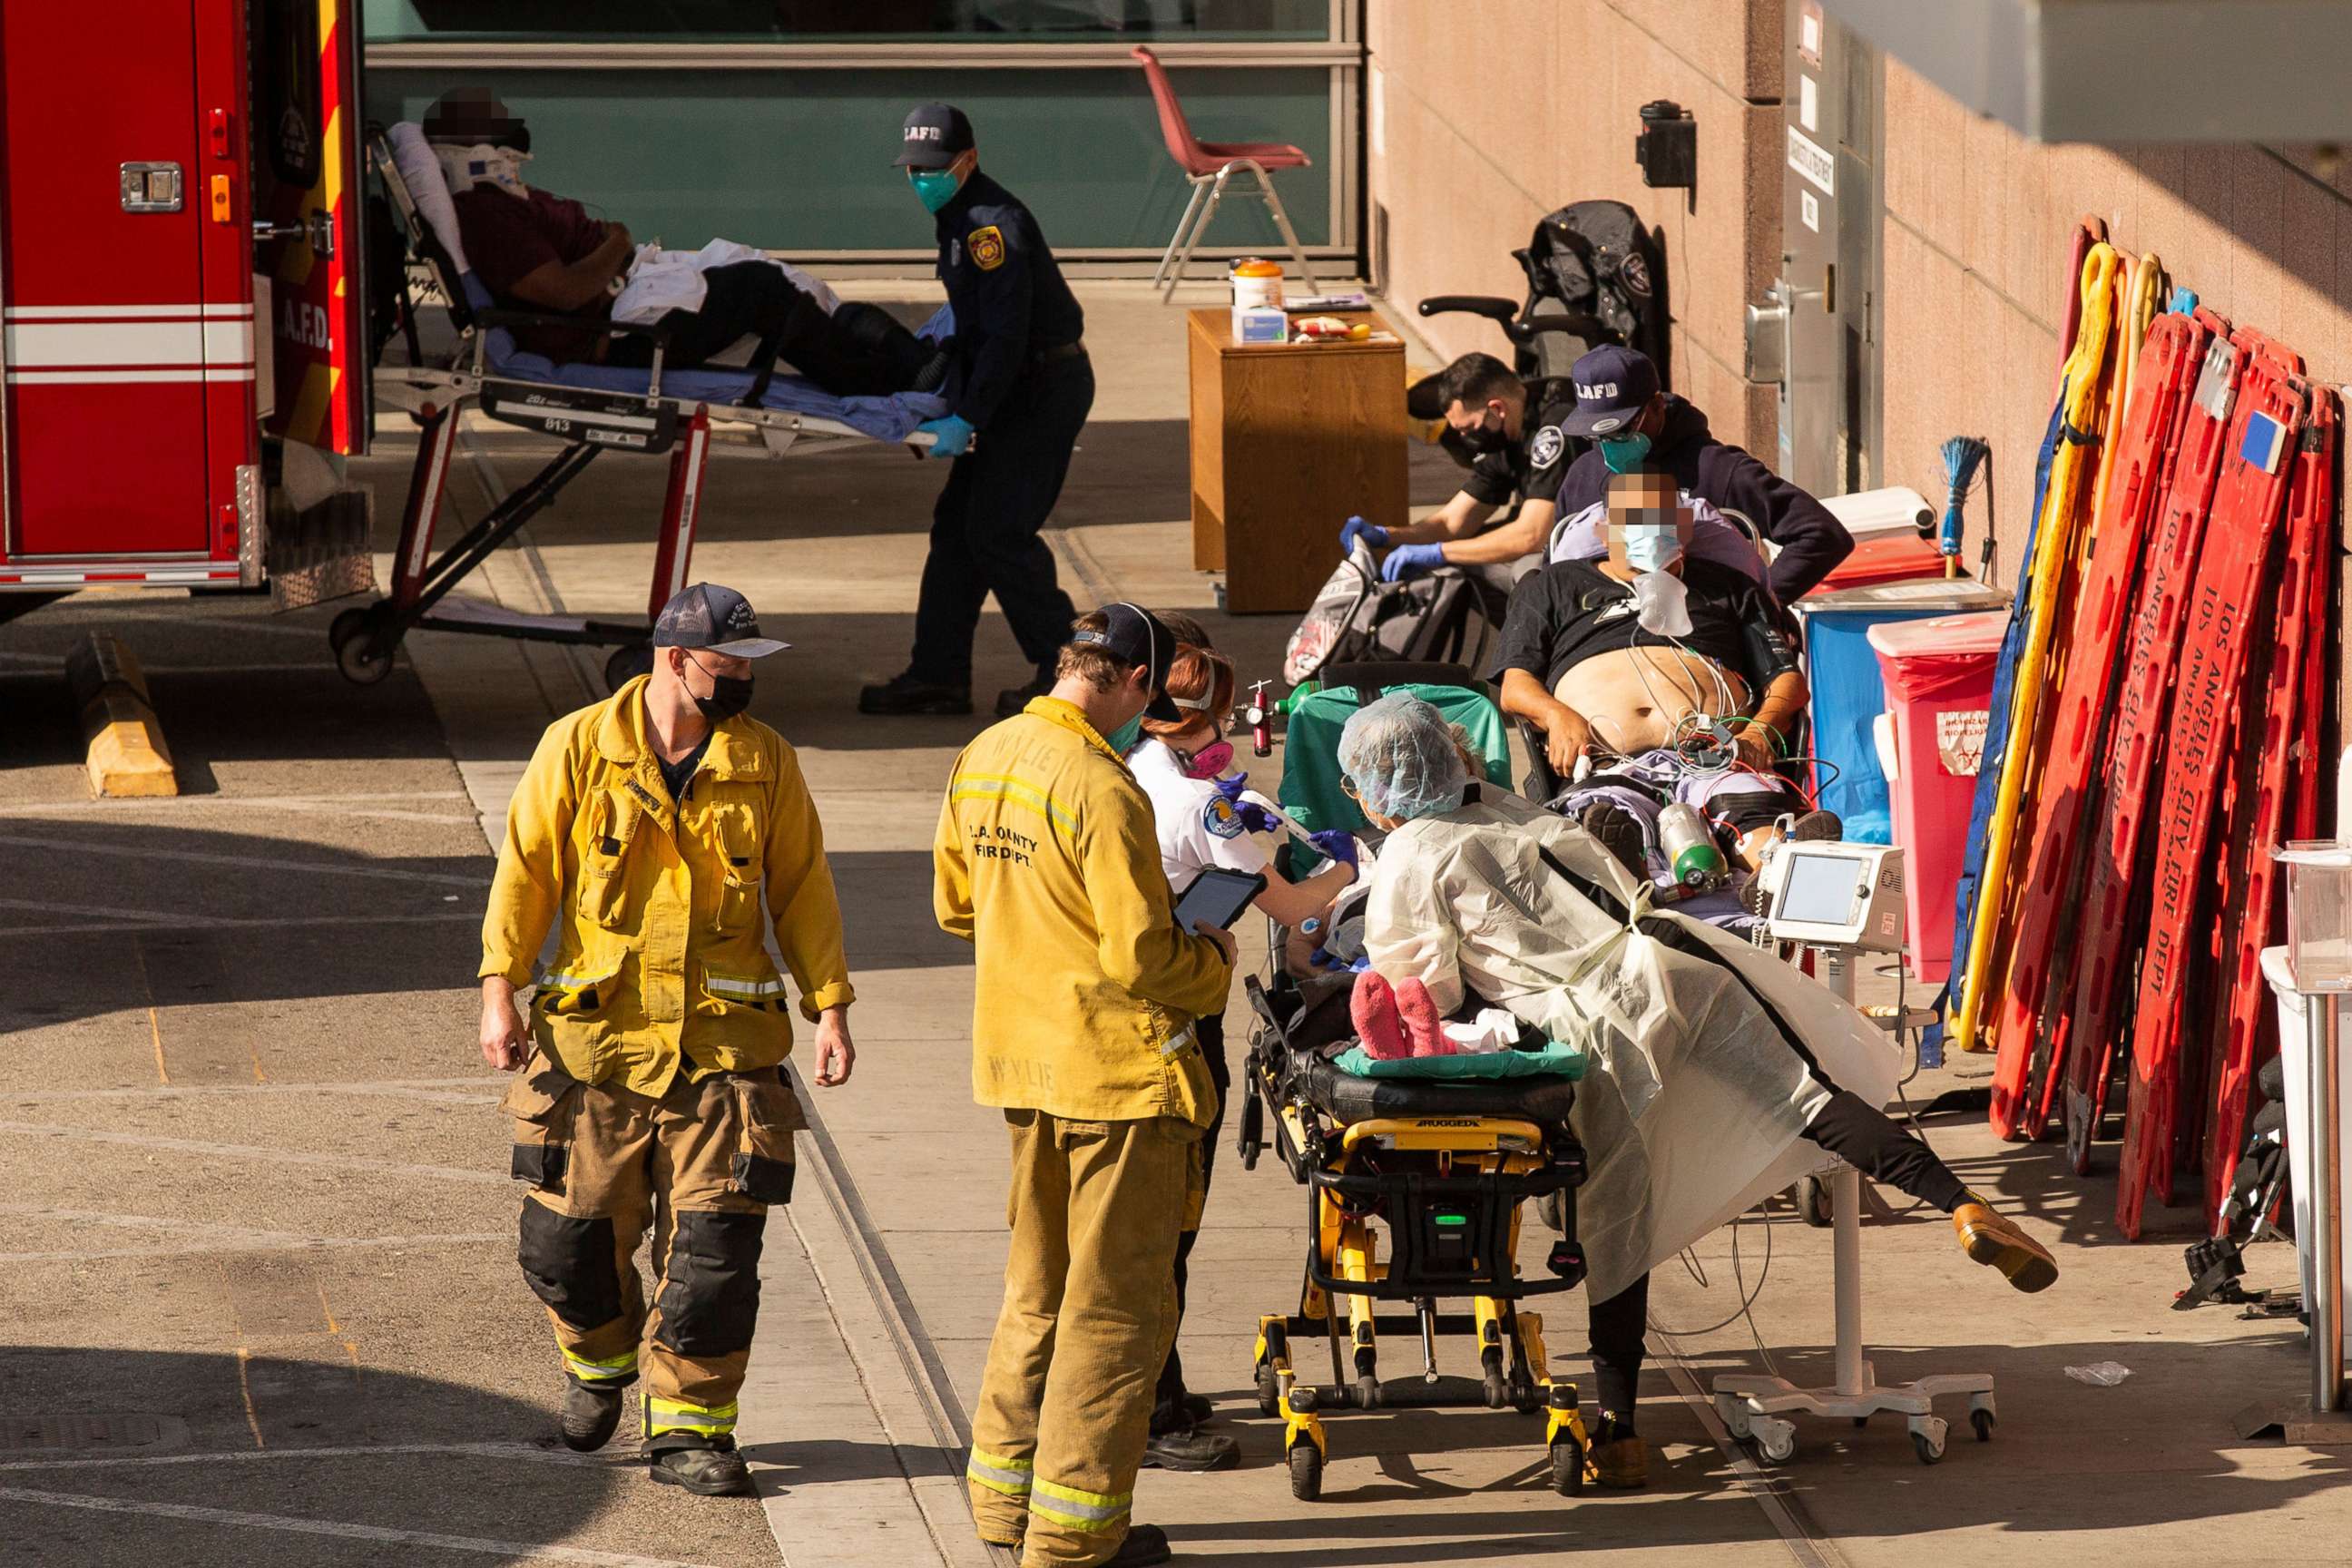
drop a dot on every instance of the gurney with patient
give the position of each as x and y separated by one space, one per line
568 328
1665 1077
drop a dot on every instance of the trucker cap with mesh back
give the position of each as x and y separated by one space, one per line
719 620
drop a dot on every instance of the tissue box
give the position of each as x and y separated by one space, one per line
1263 324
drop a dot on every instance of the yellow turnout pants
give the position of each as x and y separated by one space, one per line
1089 1310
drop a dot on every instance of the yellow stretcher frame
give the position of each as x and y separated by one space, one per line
1512 1354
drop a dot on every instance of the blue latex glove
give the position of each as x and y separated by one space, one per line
1254 817
950 435
1411 560
1336 844
1357 528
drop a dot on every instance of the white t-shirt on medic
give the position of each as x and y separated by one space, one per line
1198 826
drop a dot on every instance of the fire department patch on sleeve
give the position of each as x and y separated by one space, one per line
1544 451
987 247
1220 817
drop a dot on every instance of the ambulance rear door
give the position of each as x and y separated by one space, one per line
308 199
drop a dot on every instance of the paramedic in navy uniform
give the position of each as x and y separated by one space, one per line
1017 396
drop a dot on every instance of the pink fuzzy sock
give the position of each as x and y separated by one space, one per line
1424 1030
1373 1010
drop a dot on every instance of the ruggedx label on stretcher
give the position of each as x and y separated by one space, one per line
1812 160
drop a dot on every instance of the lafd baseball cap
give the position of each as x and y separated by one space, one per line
1135 636
935 134
719 620
1612 386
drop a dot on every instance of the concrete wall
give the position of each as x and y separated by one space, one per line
1977 230
1486 114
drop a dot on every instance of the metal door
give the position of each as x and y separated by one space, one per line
1823 303
103 304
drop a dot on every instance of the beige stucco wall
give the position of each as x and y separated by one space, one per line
1486 114
1977 229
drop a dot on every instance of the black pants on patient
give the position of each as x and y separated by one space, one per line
858 350
1849 1127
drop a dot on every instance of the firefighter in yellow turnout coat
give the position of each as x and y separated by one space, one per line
645 832
1085 992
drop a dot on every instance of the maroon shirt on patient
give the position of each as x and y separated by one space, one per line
508 237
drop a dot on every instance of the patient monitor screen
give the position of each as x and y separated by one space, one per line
1822 889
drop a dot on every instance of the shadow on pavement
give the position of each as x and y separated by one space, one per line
269 1461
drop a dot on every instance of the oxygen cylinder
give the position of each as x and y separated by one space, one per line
1688 845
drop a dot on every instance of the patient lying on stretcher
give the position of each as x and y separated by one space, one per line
540 252
1716 1071
1657 674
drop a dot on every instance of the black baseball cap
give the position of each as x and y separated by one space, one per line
719 620
1135 636
1613 385
934 135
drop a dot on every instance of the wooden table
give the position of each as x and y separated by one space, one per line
1289 440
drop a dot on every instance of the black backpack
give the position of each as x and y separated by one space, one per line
1595 276
1445 616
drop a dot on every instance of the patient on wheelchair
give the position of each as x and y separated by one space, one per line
537 251
1657 674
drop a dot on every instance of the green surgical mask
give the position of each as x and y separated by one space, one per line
1623 454
935 188
1122 739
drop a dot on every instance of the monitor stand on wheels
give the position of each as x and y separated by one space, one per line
1757 1407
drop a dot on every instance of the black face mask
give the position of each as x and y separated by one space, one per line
730 695
1486 438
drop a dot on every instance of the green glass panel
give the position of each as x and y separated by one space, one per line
830 21
799 161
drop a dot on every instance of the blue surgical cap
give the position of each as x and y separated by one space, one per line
1399 753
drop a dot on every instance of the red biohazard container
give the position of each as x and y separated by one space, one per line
1939 674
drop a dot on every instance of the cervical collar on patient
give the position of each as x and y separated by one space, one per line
482 164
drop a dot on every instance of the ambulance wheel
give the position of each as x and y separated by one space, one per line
1305 1470
1567 1465
1269 1391
361 652
625 663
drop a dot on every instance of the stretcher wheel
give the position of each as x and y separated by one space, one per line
1983 1421
1928 1450
625 663
1812 1196
1269 1391
362 651
1567 1465
1305 1471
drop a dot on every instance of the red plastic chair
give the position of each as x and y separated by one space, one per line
1207 166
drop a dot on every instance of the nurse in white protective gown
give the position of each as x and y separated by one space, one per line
1718 1074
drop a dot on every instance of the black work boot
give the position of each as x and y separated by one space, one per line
909 694
1013 698
717 1471
1145 1545
590 1415
1190 1448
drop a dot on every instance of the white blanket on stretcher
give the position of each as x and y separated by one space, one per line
660 281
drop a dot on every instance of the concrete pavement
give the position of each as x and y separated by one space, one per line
344 1109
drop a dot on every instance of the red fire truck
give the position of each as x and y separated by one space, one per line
182 295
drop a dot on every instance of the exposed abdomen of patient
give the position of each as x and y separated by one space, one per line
1632 697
